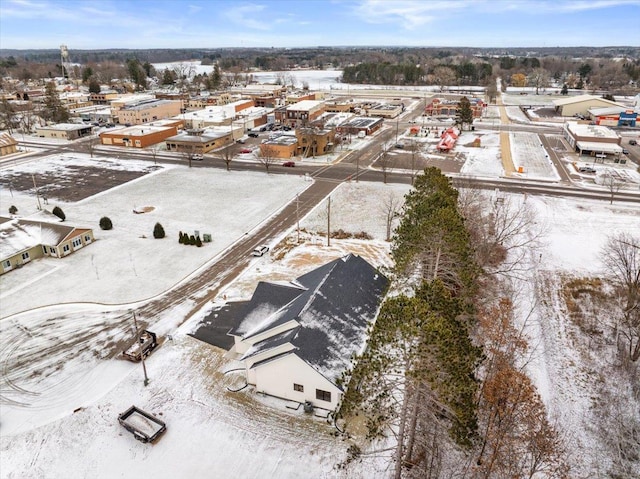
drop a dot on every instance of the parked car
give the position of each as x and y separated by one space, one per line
197 157
633 142
289 164
586 169
260 250
246 150
253 134
625 151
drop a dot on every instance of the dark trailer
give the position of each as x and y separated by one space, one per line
144 426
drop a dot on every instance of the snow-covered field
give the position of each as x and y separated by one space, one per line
225 205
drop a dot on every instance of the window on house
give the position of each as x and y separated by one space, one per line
65 248
25 255
6 264
298 387
76 242
323 395
87 238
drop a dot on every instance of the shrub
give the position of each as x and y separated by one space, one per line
13 210
192 240
59 213
180 237
198 241
105 223
158 231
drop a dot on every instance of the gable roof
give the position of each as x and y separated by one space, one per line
18 235
340 300
581 98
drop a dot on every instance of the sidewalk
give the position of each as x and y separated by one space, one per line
505 143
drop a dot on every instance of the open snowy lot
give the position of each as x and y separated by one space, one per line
527 152
225 205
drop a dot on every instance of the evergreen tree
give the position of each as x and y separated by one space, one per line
59 213
168 77
105 223
53 108
94 85
565 90
198 241
192 240
13 210
465 113
87 73
431 241
180 237
158 231
216 78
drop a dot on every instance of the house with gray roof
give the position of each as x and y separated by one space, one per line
297 339
23 240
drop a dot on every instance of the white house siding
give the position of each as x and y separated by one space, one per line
251 376
277 378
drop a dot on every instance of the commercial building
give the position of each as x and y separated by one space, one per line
595 140
199 141
580 105
138 136
65 131
368 125
283 146
613 116
146 111
302 113
449 108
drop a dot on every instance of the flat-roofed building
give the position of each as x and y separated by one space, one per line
302 113
147 111
368 125
139 136
386 110
281 146
314 141
200 141
65 131
592 139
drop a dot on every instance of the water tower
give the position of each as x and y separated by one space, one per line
67 70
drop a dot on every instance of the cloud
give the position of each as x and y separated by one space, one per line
410 14
245 16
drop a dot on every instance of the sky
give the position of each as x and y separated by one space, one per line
103 24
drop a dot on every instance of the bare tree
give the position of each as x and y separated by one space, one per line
612 184
621 257
390 207
384 162
268 156
91 144
504 232
188 153
413 147
154 152
227 155
539 78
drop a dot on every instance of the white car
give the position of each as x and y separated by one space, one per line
260 250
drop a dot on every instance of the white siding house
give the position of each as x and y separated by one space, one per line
296 340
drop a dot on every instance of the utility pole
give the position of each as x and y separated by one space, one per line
298 217
329 221
144 367
35 188
357 167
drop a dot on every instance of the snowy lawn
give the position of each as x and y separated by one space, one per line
126 263
483 160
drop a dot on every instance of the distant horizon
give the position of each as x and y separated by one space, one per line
173 24
532 47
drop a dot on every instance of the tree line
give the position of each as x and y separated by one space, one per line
440 388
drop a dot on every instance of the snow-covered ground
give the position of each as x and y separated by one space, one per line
528 153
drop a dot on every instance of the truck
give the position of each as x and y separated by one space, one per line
145 427
139 350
